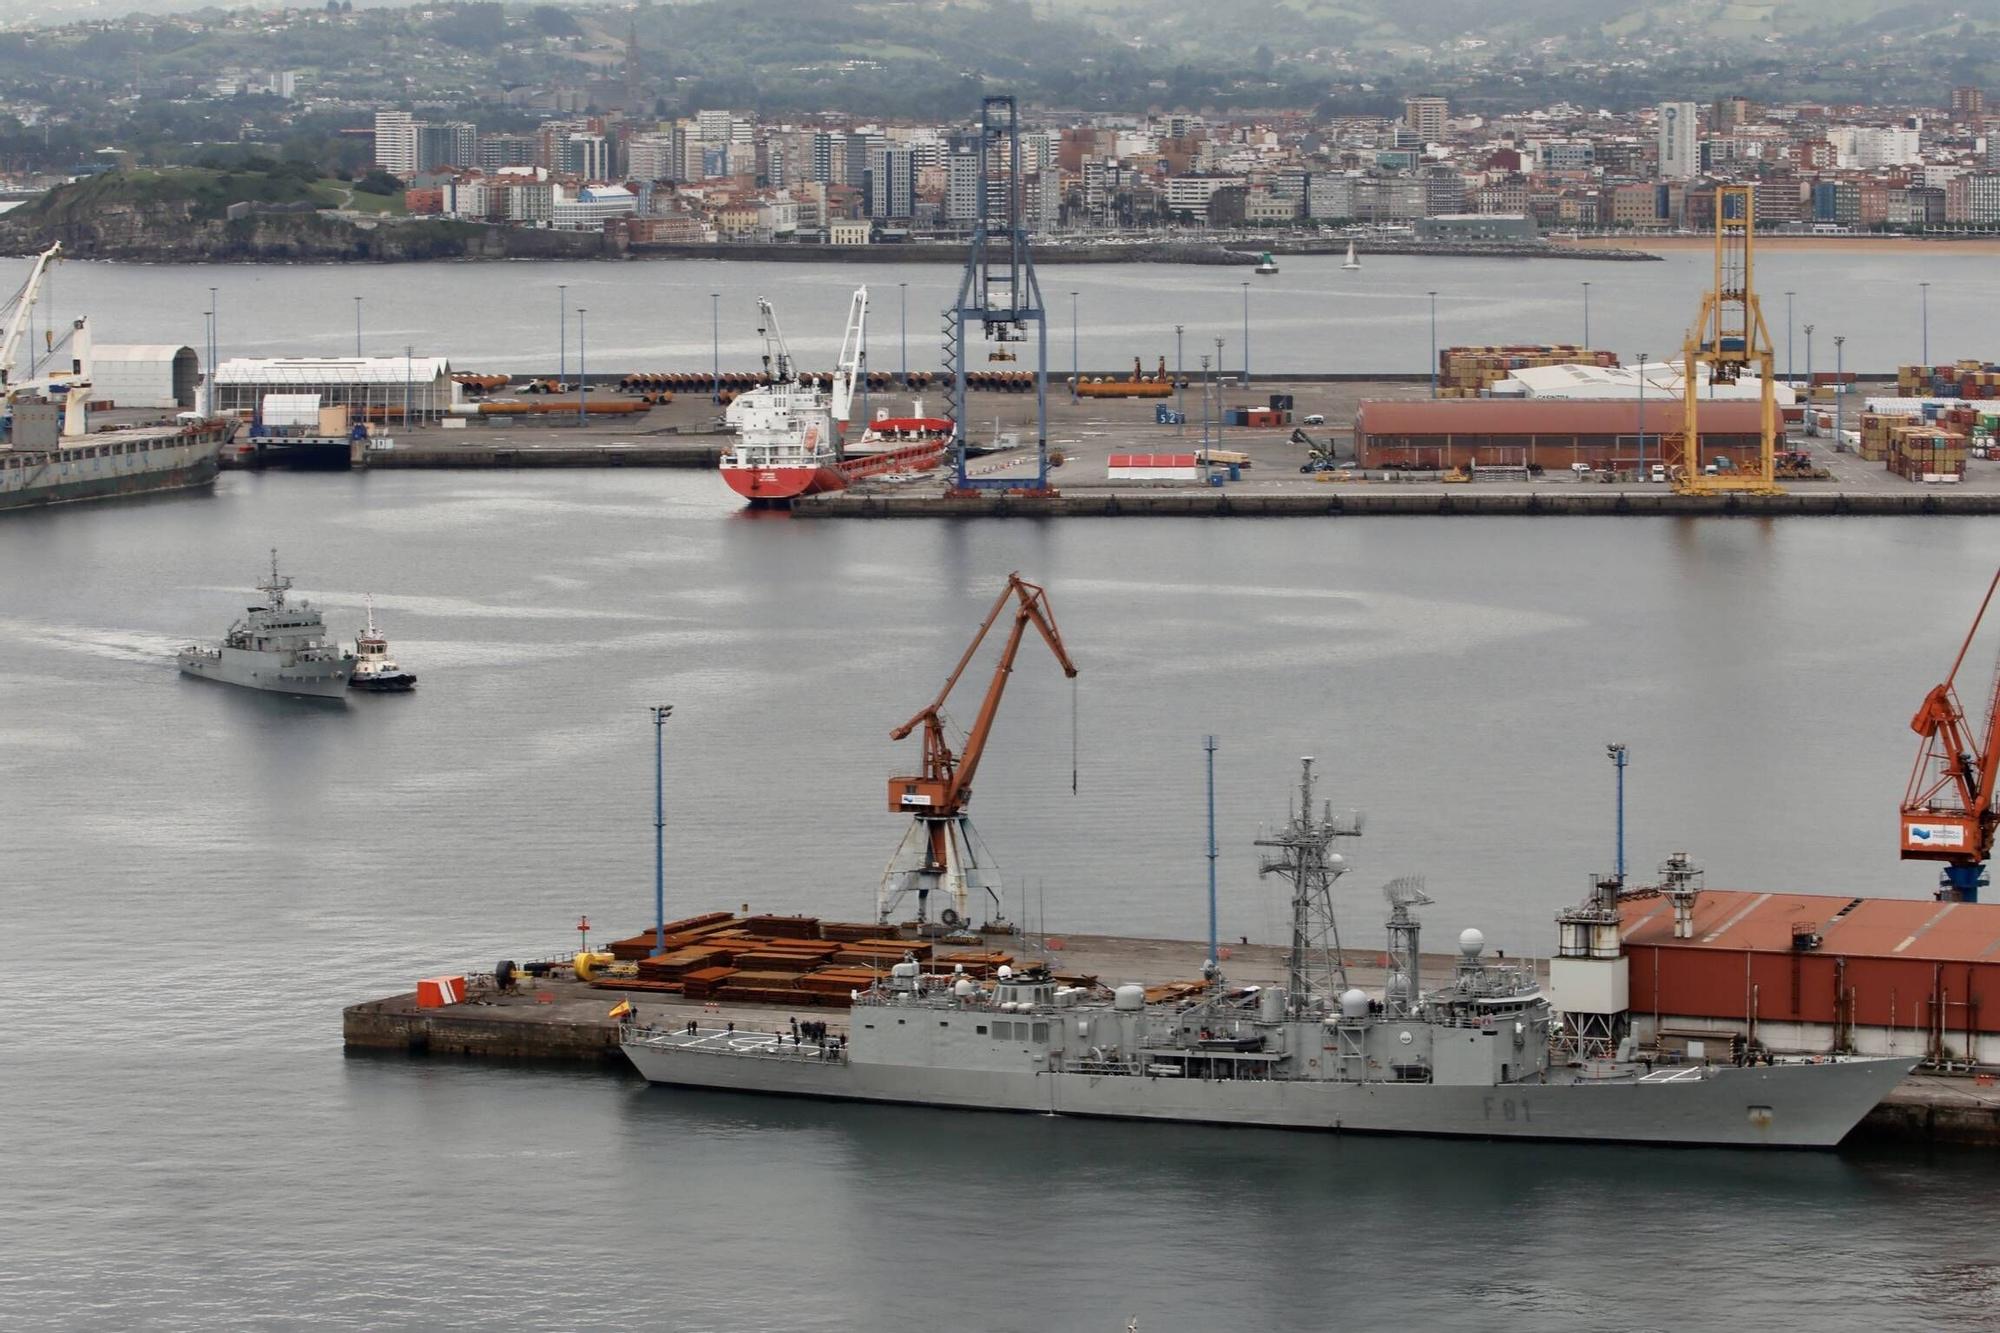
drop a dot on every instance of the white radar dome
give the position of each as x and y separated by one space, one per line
1004 972
1129 996
1354 1003
962 988
1471 942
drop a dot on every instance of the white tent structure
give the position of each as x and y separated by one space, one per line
144 374
374 387
1662 381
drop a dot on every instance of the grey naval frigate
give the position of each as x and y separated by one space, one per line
280 646
1486 1054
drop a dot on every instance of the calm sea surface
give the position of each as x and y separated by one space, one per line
658 315
195 879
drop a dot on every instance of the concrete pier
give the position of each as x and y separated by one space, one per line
1331 501
560 1019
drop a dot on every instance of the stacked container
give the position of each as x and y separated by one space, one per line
1961 379
1467 372
1876 430
1926 453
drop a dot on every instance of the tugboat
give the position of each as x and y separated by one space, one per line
374 669
1267 265
279 646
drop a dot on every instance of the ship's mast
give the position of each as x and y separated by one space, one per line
1315 972
275 590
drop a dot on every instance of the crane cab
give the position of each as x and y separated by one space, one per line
916 794
1937 835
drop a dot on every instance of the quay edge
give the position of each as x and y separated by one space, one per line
1220 503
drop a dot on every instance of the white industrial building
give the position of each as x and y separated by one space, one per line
1662 380
376 388
144 374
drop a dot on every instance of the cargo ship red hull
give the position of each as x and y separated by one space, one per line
771 485
776 485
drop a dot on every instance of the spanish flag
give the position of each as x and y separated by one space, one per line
623 1010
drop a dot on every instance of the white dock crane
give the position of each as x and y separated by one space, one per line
849 367
24 305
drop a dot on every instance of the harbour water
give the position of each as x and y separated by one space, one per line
197 878
1312 316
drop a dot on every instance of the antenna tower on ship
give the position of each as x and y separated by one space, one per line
1405 988
1315 973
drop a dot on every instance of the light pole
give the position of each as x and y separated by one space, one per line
214 330
1616 752
715 344
1586 315
1434 344
562 336
1204 404
208 340
357 326
903 300
1180 383
660 712
1839 388
1925 287
1218 393
1246 334
1074 371
1790 378
409 377
1642 416
1809 329
582 375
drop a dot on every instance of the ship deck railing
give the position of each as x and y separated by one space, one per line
739 1044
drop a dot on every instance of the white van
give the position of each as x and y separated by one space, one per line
1659 472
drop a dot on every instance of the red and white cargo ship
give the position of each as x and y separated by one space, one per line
788 433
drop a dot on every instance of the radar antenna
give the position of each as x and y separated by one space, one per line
1405 990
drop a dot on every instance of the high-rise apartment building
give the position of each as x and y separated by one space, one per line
396 142
1967 103
961 198
588 156
892 184
1680 141
1425 117
714 127
655 157
494 151
452 144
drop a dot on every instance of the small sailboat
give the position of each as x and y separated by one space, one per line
1266 264
1352 262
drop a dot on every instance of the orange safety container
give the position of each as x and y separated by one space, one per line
437 992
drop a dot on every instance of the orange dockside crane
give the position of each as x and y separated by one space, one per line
939 851
1948 812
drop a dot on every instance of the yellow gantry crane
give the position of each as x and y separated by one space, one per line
1728 339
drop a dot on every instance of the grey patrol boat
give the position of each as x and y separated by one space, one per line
1483 1055
279 646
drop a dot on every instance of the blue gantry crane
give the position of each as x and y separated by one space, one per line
998 293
